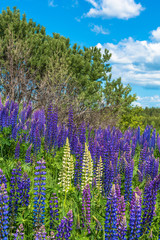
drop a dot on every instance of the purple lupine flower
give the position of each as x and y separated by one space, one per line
42 121
127 152
118 192
128 180
14 133
14 116
28 154
19 235
122 229
121 165
55 128
149 201
121 221
53 210
111 216
3 212
153 139
108 171
32 130
70 221
22 115
135 216
78 164
24 190
3 178
151 167
82 135
17 151
12 106
74 141
86 207
39 199
155 168
49 123
29 110
134 144
62 229
65 227
3 117
62 135
108 177
117 181
15 188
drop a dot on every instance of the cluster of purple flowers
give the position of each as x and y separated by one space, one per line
111 216
117 151
149 201
135 216
4 224
15 191
28 154
65 227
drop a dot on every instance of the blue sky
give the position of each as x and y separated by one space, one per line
129 29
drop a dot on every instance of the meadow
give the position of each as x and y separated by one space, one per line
62 181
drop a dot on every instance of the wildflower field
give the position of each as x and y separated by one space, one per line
60 181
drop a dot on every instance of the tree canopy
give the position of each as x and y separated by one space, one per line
47 69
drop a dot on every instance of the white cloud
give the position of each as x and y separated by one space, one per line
93 2
137 62
148 101
137 104
122 9
155 98
155 34
51 3
99 30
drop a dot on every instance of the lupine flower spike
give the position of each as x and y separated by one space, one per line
65 227
111 216
3 213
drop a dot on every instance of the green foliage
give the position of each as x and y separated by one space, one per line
151 117
132 118
116 95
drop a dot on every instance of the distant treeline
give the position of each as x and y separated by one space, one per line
151 116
